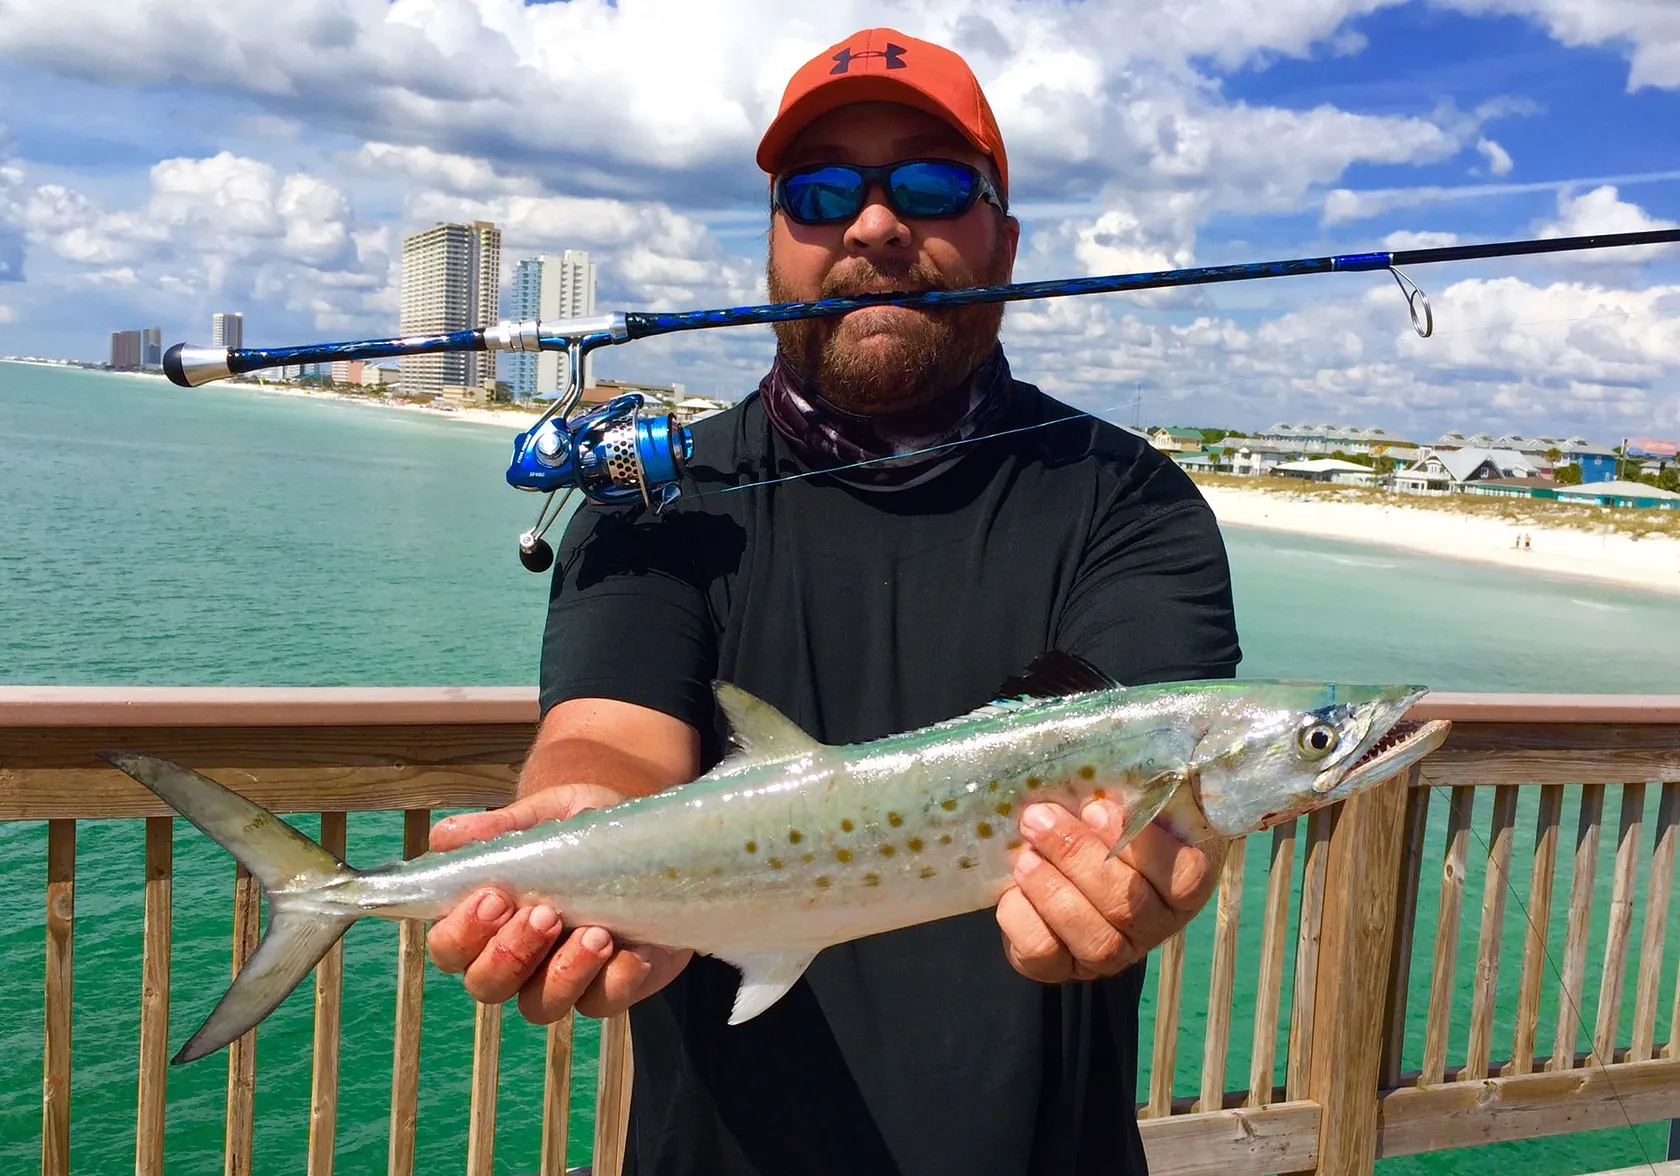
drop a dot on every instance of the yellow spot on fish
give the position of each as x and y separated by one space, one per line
775 863
843 855
1099 793
966 863
894 820
752 847
914 845
717 871
1016 844
670 871
949 806
1004 809
807 857
1087 772
795 837
888 850
872 879
928 871
992 787
944 839
823 882
846 825
1033 781
984 828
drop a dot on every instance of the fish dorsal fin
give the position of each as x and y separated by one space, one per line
760 730
1051 675
765 979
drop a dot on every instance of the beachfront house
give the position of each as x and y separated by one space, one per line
1513 487
1176 440
1307 440
1638 495
1446 471
1327 469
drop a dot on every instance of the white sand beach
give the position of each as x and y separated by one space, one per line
1651 561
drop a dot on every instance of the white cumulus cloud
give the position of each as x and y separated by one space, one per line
1498 159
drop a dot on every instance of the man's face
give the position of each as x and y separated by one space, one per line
888 358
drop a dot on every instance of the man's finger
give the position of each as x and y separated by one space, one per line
1068 914
454 832
516 951
616 985
1081 855
457 939
557 986
1028 944
1182 875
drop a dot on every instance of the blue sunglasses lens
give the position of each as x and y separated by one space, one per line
931 189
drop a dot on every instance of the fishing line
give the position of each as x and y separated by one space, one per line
1564 993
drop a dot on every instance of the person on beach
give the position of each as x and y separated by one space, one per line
888 528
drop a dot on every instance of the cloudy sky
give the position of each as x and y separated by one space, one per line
164 159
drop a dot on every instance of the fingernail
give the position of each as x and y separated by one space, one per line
544 918
596 940
1095 815
1026 862
492 907
1039 817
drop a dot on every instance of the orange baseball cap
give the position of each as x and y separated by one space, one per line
884 65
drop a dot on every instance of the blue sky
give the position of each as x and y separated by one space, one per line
268 159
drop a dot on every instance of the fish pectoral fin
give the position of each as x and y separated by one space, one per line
1148 803
759 729
765 979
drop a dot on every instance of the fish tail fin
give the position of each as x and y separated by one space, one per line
293 870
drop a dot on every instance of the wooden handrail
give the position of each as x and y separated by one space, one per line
1378 1084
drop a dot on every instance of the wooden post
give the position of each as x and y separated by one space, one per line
55 1066
1354 953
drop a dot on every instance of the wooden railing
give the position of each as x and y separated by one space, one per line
1341 1067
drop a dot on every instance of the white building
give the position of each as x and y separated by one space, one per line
1443 471
227 330
549 287
451 275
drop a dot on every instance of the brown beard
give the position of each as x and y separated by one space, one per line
929 357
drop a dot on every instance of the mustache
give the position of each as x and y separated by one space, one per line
859 275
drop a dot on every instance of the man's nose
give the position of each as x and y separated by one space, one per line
877 226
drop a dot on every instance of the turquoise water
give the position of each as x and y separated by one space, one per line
156 535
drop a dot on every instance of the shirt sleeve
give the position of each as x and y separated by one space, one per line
628 617
1152 598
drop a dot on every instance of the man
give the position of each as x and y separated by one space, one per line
863 596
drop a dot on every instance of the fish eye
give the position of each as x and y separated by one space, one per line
1316 740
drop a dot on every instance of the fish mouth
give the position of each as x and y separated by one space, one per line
1398 748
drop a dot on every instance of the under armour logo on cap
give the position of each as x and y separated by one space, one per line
894 55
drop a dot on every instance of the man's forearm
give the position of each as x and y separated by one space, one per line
590 761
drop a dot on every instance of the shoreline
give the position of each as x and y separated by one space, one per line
515 419
1649 564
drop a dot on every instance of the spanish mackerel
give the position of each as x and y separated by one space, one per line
789 846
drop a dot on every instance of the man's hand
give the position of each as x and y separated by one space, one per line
1075 913
502 948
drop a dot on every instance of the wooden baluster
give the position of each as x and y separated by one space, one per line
1269 995
154 997
55 1059
481 1117
1580 921
1535 961
1621 922
1303 1010
329 996
1496 882
1405 930
411 977
1656 926
242 1054
1164 1061
557 1097
1216 1044
1446 935
612 1097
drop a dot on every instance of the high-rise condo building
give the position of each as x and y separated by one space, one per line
151 347
568 291
519 368
227 330
451 275
125 350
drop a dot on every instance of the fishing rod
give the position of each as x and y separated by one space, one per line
617 455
